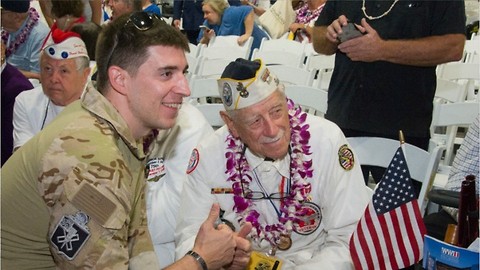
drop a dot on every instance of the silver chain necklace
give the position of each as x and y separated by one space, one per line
364 9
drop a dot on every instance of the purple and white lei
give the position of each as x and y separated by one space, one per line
32 20
300 169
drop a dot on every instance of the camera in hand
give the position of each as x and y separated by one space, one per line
349 31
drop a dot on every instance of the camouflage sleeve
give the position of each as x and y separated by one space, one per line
96 204
141 246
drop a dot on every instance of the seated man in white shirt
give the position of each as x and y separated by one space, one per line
289 173
64 74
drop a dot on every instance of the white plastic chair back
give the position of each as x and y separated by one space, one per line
451 116
203 88
227 47
293 59
320 62
211 68
311 99
293 75
377 151
284 45
462 72
450 91
211 111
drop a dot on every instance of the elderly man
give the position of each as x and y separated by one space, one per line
64 74
23 33
291 174
73 197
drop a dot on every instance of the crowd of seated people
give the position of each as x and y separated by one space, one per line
64 62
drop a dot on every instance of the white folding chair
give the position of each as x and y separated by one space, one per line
203 88
293 75
211 68
309 48
470 50
192 65
451 116
320 61
286 58
311 99
280 51
323 80
375 151
462 72
211 111
227 47
450 91
284 45
324 64
194 49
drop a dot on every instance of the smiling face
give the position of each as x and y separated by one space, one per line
264 127
62 81
211 15
155 94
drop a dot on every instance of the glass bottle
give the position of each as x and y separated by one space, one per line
467 213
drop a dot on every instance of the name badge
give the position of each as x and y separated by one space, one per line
260 261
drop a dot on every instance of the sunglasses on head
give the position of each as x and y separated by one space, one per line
142 20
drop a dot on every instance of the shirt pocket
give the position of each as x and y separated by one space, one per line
99 202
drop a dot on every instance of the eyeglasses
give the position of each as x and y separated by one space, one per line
142 20
259 195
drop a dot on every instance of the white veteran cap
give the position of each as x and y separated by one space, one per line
244 83
64 45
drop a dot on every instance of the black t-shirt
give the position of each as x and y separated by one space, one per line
382 97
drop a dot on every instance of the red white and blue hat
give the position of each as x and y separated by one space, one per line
64 45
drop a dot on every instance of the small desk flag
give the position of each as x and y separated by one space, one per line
390 233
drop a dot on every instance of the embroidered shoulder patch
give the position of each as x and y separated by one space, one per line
155 169
71 234
345 157
193 162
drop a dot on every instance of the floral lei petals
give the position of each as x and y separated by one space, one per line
32 20
300 169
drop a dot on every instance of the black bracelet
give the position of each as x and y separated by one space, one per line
198 258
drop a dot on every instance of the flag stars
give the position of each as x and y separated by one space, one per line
394 192
394 188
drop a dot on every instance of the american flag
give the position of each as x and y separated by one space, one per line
390 233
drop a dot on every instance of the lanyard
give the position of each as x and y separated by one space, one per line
281 188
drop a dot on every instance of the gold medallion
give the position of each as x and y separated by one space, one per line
285 242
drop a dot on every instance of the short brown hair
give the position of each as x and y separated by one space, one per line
121 44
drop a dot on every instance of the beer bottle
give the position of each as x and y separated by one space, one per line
467 213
